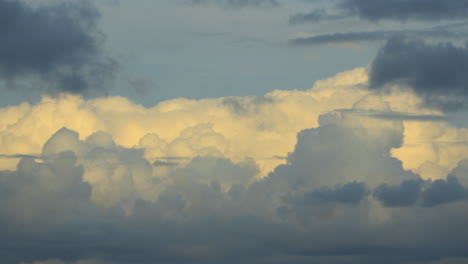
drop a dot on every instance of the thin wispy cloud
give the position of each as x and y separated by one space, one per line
380 35
234 3
392 115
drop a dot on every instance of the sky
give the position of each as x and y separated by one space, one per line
233 131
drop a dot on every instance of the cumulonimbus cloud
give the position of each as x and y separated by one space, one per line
195 180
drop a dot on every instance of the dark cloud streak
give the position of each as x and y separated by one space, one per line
351 37
392 115
428 10
349 193
399 10
314 16
234 3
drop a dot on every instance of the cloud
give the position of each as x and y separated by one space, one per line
381 35
160 163
403 10
426 194
57 43
63 262
406 194
348 193
33 185
209 212
19 156
211 127
97 193
316 15
235 3
434 71
429 10
440 192
208 127
392 115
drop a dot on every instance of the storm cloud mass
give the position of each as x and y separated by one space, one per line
58 43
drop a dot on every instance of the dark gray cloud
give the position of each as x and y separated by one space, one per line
391 115
57 43
444 191
161 163
437 72
20 156
349 193
235 3
406 194
406 9
381 35
419 192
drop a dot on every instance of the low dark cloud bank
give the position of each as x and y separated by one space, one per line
57 43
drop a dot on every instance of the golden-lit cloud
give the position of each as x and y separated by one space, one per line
263 128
